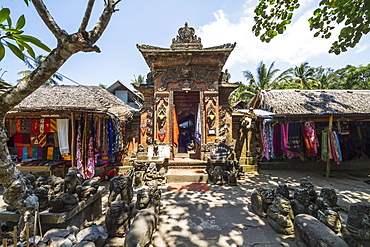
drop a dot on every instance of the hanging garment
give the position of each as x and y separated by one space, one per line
343 127
53 125
294 144
266 148
42 121
80 166
324 146
198 127
35 125
310 138
285 128
278 141
18 125
91 161
11 125
334 147
34 152
50 152
175 130
47 125
63 132
25 127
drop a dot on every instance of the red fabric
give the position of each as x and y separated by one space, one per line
35 126
47 128
175 130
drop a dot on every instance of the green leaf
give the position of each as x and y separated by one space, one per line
2 51
35 41
15 50
4 14
20 23
26 1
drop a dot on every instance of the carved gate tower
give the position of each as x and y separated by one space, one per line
186 109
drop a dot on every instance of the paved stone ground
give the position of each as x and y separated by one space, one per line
223 216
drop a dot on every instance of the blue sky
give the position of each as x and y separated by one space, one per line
156 22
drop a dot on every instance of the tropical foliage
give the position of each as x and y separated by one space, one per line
53 80
302 76
13 39
272 17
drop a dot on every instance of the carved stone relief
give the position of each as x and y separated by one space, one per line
186 75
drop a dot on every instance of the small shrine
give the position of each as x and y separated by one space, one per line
186 111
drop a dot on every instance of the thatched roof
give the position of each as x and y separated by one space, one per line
75 98
316 102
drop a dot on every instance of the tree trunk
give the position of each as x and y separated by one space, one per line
16 193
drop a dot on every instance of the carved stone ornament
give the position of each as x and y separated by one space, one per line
186 39
223 111
162 115
211 115
149 113
187 75
208 147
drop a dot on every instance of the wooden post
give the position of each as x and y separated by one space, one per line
5 244
15 241
27 234
328 159
73 142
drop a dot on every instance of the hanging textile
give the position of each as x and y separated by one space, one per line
324 146
266 148
80 166
294 139
91 161
284 129
175 130
35 125
25 127
198 127
334 147
310 138
53 125
42 121
63 132
11 126
343 127
278 141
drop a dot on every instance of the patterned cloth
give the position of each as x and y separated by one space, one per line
294 139
324 146
35 125
278 141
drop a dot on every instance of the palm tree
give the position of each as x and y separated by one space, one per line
53 80
138 80
3 83
303 75
326 78
266 78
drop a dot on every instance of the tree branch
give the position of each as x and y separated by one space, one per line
103 21
87 15
47 18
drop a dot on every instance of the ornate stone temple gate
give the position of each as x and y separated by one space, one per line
186 109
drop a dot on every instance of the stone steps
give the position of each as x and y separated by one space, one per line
187 175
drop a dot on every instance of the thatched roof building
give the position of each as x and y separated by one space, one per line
312 102
74 98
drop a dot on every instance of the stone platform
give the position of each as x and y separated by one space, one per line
187 175
88 210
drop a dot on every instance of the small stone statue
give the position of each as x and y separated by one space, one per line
117 219
63 203
89 187
261 199
301 203
327 200
280 216
304 183
72 184
143 201
327 209
121 185
42 195
282 190
358 224
142 228
155 194
153 174
217 175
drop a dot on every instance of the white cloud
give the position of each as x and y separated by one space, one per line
295 46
